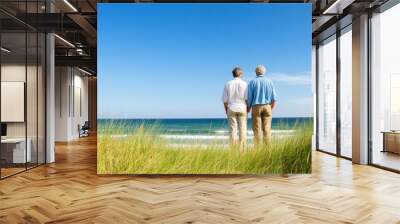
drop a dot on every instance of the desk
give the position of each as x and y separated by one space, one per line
15 148
391 141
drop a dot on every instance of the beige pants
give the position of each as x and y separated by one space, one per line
237 120
262 117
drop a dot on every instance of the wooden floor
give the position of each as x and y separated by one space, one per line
8 171
387 159
69 191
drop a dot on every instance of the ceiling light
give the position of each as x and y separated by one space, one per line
338 6
84 71
70 5
65 41
5 50
79 51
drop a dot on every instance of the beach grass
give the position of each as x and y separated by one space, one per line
139 150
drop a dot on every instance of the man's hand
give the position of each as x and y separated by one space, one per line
273 105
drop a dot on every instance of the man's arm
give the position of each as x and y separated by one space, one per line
249 100
226 107
225 99
248 108
273 103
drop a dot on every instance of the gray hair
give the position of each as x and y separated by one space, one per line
260 70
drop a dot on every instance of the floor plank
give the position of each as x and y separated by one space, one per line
69 191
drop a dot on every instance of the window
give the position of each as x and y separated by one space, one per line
327 95
346 92
385 89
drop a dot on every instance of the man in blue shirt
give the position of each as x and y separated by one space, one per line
261 99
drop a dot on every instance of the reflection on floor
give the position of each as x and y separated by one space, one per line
387 159
10 169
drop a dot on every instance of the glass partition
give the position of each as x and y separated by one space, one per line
385 89
327 95
14 153
23 91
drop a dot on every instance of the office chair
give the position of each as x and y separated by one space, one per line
84 130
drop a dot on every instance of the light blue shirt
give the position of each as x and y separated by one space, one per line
260 91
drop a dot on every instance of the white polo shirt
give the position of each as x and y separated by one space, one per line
235 95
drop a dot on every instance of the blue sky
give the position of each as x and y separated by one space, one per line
172 60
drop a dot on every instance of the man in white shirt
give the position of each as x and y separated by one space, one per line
235 103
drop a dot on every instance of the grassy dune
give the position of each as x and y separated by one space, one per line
143 152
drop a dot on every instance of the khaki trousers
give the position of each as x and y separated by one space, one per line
237 121
262 117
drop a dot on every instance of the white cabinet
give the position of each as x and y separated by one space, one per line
19 155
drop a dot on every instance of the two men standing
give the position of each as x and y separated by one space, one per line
258 96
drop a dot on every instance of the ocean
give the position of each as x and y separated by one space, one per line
203 130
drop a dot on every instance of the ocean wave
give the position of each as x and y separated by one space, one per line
221 131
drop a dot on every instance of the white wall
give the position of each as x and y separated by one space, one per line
9 73
33 127
62 82
17 73
80 109
71 102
